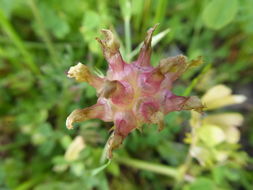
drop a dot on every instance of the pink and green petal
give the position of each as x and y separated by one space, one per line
110 46
125 122
146 49
173 67
82 74
99 111
178 103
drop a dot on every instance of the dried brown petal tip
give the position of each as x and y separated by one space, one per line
80 72
92 112
193 103
76 116
145 53
150 32
110 44
176 64
114 142
196 62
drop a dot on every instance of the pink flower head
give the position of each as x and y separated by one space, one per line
132 94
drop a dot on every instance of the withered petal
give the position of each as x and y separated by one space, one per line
110 46
177 103
98 110
82 74
114 142
175 66
125 122
146 49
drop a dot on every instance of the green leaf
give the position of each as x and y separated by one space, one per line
114 169
53 22
91 20
91 24
173 153
100 169
218 174
6 6
59 185
219 13
200 184
7 27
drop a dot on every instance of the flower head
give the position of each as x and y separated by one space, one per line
132 94
211 131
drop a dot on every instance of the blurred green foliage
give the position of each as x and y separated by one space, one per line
41 39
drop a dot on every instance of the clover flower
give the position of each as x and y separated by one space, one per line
211 130
132 94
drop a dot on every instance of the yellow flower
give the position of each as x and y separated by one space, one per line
220 96
211 130
228 122
74 149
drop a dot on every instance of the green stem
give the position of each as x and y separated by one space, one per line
127 38
40 45
196 80
156 168
44 33
29 183
188 160
12 34
146 15
161 10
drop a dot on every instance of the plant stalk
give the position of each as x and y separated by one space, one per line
44 34
156 168
127 38
14 37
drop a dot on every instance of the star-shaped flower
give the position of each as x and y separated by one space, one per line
132 94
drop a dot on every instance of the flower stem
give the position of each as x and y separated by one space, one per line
44 34
127 38
156 168
196 80
17 41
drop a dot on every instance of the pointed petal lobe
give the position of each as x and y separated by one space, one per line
177 103
110 46
99 110
125 122
82 74
146 49
173 66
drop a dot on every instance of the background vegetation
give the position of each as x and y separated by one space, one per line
41 39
